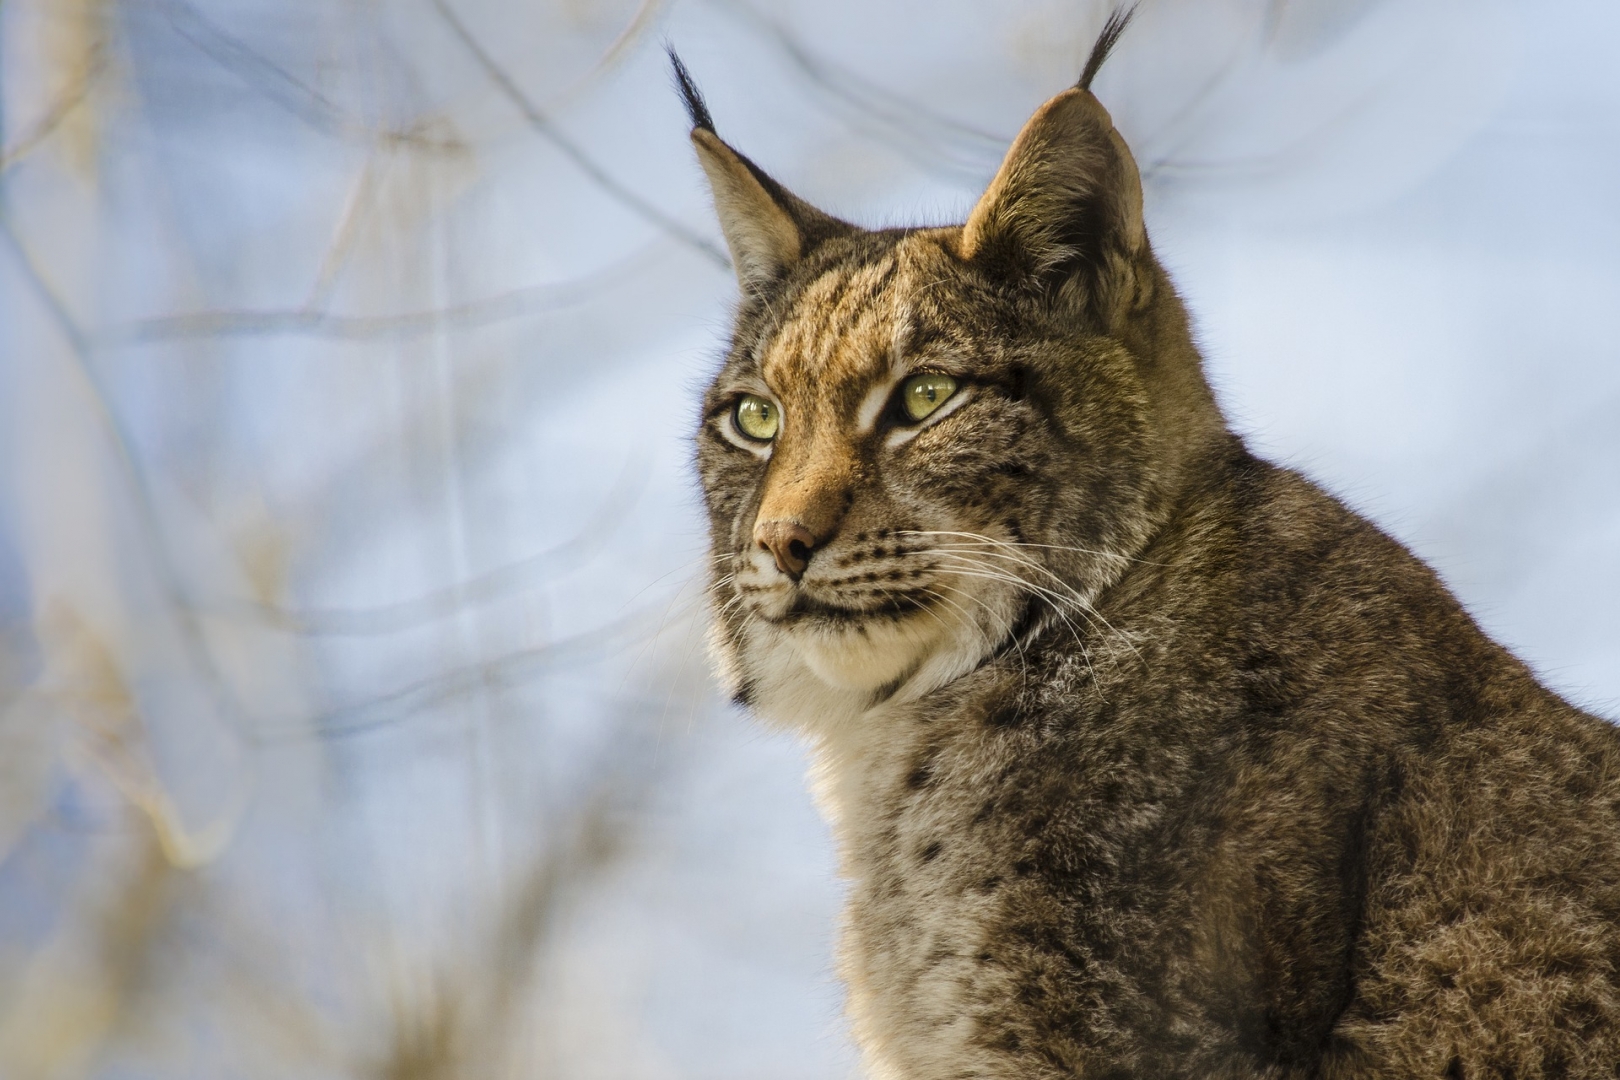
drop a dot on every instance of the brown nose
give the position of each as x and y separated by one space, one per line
790 543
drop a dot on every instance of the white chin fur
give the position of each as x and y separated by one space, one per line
874 656
819 679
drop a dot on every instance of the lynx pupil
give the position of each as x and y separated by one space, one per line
923 394
756 418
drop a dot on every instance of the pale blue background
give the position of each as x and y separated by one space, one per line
345 499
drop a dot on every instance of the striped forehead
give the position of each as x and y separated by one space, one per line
842 335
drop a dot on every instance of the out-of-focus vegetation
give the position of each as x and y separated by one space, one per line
353 712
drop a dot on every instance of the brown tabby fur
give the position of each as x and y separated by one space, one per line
1146 758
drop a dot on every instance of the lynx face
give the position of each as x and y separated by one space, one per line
924 442
909 492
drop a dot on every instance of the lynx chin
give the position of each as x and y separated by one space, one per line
1145 758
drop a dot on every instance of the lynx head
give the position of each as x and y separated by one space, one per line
925 444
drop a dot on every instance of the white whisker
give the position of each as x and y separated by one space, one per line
1083 604
1059 602
982 539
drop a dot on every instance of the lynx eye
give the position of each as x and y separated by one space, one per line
756 417
922 394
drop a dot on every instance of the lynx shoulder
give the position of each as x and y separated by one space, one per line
1146 758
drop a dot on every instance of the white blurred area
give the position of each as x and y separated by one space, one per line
354 718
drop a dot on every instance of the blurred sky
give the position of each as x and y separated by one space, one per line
354 719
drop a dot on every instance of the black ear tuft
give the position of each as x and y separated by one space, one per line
1112 29
695 106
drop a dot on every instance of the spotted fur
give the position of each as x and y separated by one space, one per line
1145 758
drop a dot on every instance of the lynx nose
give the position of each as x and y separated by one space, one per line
789 542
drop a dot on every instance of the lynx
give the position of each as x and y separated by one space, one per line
1145 758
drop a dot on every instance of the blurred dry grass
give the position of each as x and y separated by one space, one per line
165 683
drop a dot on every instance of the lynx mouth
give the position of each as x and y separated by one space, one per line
896 606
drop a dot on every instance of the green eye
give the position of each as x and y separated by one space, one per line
922 394
756 418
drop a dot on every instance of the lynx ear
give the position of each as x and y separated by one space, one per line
1066 205
763 237
767 228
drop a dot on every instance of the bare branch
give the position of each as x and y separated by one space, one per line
71 98
162 560
548 130
620 47
518 303
506 671
278 85
344 237
454 599
937 143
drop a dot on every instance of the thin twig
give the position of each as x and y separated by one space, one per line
281 87
453 599
506 671
548 130
146 513
934 141
615 52
60 110
517 303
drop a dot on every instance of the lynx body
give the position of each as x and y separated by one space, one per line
1145 758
